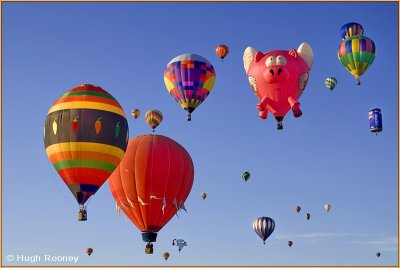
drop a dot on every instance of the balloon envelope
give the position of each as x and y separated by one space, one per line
327 207
152 182
89 251
153 118
356 54
290 243
263 226
135 113
189 78
85 136
330 82
222 51
246 175
203 195
166 255
297 208
351 29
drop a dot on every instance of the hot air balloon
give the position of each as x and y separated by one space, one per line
278 78
153 118
246 175
89 251
375 120
327 207
85 136
357 53
165 255
290 243
297 208
222 51
203 195
378 254
180 243
152 183
189 78
135 113
263 226
308 216
351 29
330 82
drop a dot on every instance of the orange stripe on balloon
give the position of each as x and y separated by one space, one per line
88 98
84 155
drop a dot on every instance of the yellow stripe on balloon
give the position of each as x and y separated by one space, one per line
87 105
85 146
355 45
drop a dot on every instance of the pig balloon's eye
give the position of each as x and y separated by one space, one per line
280 60
271 60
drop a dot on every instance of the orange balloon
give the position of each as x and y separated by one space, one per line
152 182
222 51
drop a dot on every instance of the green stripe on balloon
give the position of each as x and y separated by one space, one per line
84 164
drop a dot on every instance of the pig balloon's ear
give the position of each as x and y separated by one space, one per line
259 56
248 57
306 52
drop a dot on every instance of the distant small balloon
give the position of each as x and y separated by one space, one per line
203 195
330 82
327 207
290 243
298 208
153 118
222 51
245 175
135 113
378 254
308 216
166 255
89 251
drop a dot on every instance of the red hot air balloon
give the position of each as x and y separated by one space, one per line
222 51
152 183
278 78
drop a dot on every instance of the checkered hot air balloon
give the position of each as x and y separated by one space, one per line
263 226
85 136
189 78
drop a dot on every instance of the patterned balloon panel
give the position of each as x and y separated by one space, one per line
85 136
189 79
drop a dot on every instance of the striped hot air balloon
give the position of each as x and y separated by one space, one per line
85 136
153 118
189 78
263 226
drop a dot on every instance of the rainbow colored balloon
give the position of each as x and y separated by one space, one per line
153 118
356 53
85 136
189 78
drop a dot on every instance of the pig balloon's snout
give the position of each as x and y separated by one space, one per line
271 71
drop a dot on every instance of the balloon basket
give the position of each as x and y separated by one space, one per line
149 248
82 216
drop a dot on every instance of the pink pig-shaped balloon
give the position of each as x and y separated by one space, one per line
278 78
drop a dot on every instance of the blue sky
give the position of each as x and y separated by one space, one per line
326 156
